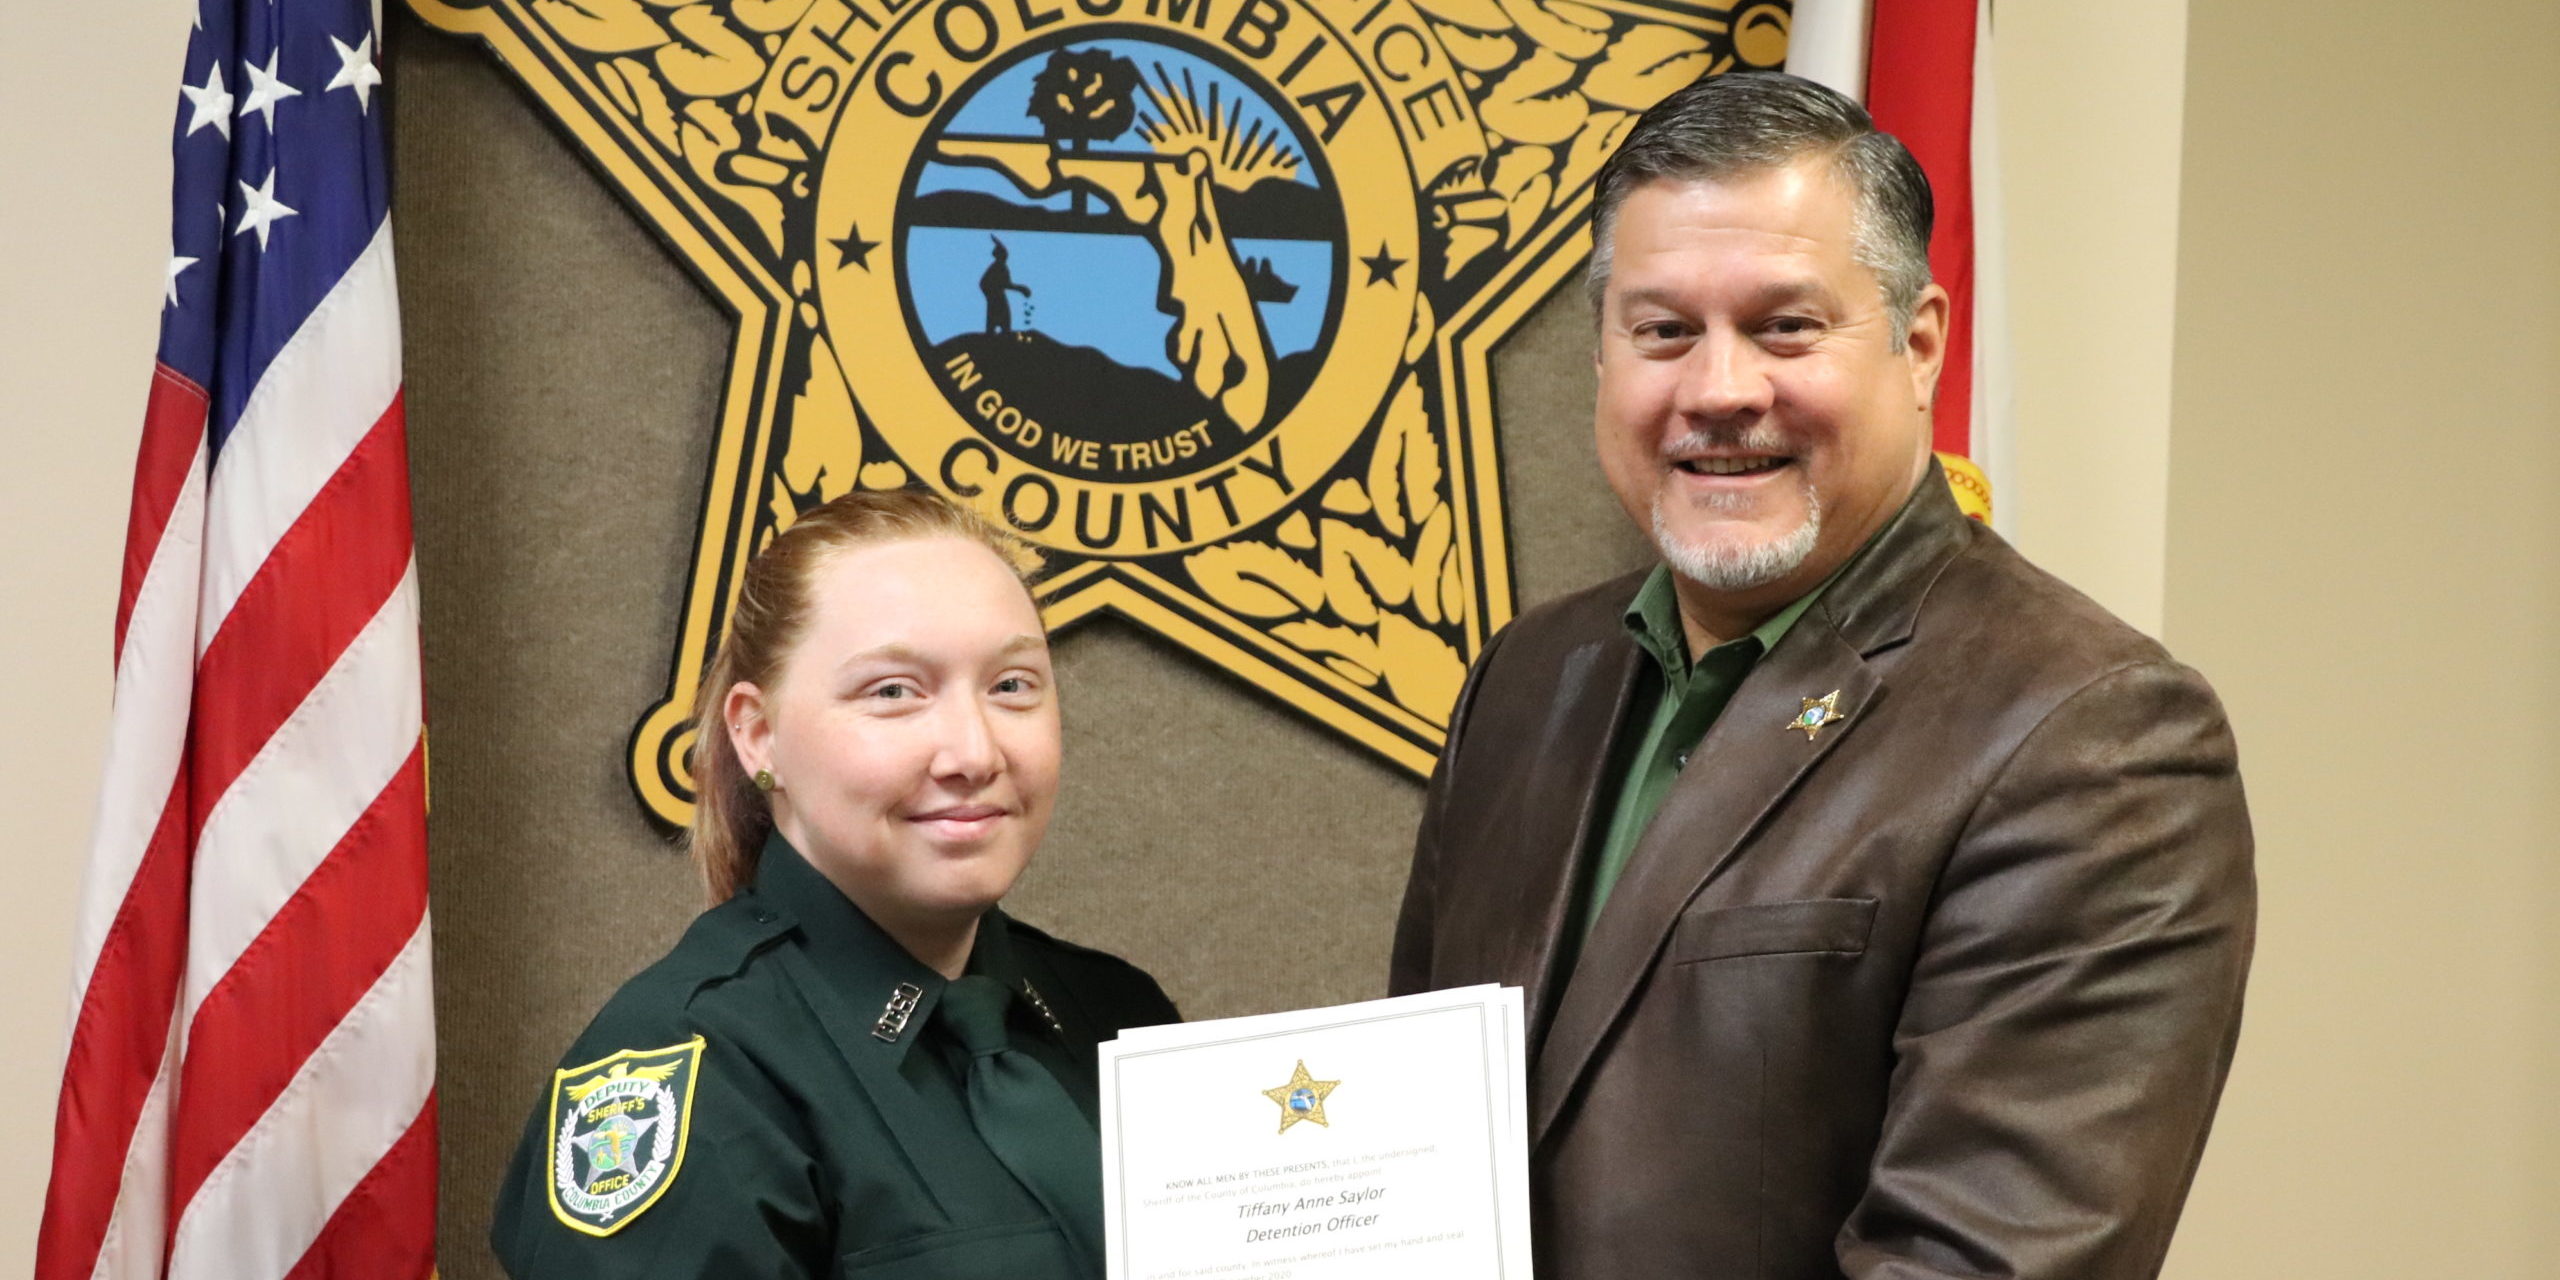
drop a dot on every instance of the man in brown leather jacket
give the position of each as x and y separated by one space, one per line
1883 905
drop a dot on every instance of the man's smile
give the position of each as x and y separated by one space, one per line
1742 465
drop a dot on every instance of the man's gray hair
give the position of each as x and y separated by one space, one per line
1746 123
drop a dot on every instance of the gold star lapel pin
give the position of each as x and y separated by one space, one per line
1302 1098
1818 714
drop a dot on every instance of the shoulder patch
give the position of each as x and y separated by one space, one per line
618 1130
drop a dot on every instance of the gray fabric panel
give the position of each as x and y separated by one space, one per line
560 366
564 375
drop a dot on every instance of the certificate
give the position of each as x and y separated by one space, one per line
1386 1139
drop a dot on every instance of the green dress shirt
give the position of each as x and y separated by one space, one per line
1687 697
814 1108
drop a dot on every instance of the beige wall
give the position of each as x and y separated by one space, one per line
2398 1102
2364 554
89 91
2089 110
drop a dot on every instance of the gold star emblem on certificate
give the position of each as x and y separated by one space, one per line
1818 714
1302 1098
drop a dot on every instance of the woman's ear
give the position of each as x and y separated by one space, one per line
743 717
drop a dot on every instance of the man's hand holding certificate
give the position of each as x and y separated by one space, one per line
1379 1139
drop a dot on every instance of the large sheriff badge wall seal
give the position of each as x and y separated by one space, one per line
1196 294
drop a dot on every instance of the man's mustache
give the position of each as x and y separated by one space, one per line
1759 439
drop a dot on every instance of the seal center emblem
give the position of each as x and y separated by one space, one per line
1122 313
1121 257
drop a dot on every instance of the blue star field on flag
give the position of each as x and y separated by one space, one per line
280 184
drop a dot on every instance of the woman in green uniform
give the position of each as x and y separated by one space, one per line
853 1064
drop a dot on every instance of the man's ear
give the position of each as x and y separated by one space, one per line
1599 328
1926 344
743 717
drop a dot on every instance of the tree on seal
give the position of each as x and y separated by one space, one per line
1083 96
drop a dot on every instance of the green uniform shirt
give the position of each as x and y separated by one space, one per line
1688 696
775 1098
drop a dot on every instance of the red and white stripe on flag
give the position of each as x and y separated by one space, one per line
1923 69
249 1090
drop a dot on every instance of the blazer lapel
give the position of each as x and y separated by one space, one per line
1745 766
1739 773
1551 815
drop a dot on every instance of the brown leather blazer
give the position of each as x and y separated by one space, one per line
1948 990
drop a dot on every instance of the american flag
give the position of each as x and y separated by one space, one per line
250 1088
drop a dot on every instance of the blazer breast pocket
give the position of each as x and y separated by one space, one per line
1833 926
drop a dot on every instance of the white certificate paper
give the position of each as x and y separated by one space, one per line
1386 1139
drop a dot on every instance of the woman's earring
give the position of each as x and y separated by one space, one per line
764 780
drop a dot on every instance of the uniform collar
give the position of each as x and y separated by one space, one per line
890 992
1653 619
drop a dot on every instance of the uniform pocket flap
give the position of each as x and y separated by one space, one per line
1008 1249
1836 925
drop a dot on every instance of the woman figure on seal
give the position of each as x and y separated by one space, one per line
853 1064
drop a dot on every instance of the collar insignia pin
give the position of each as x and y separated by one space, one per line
894 1015
1031 994
1818 714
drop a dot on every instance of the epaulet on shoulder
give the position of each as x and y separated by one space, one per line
720 941
1041 939
715 948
